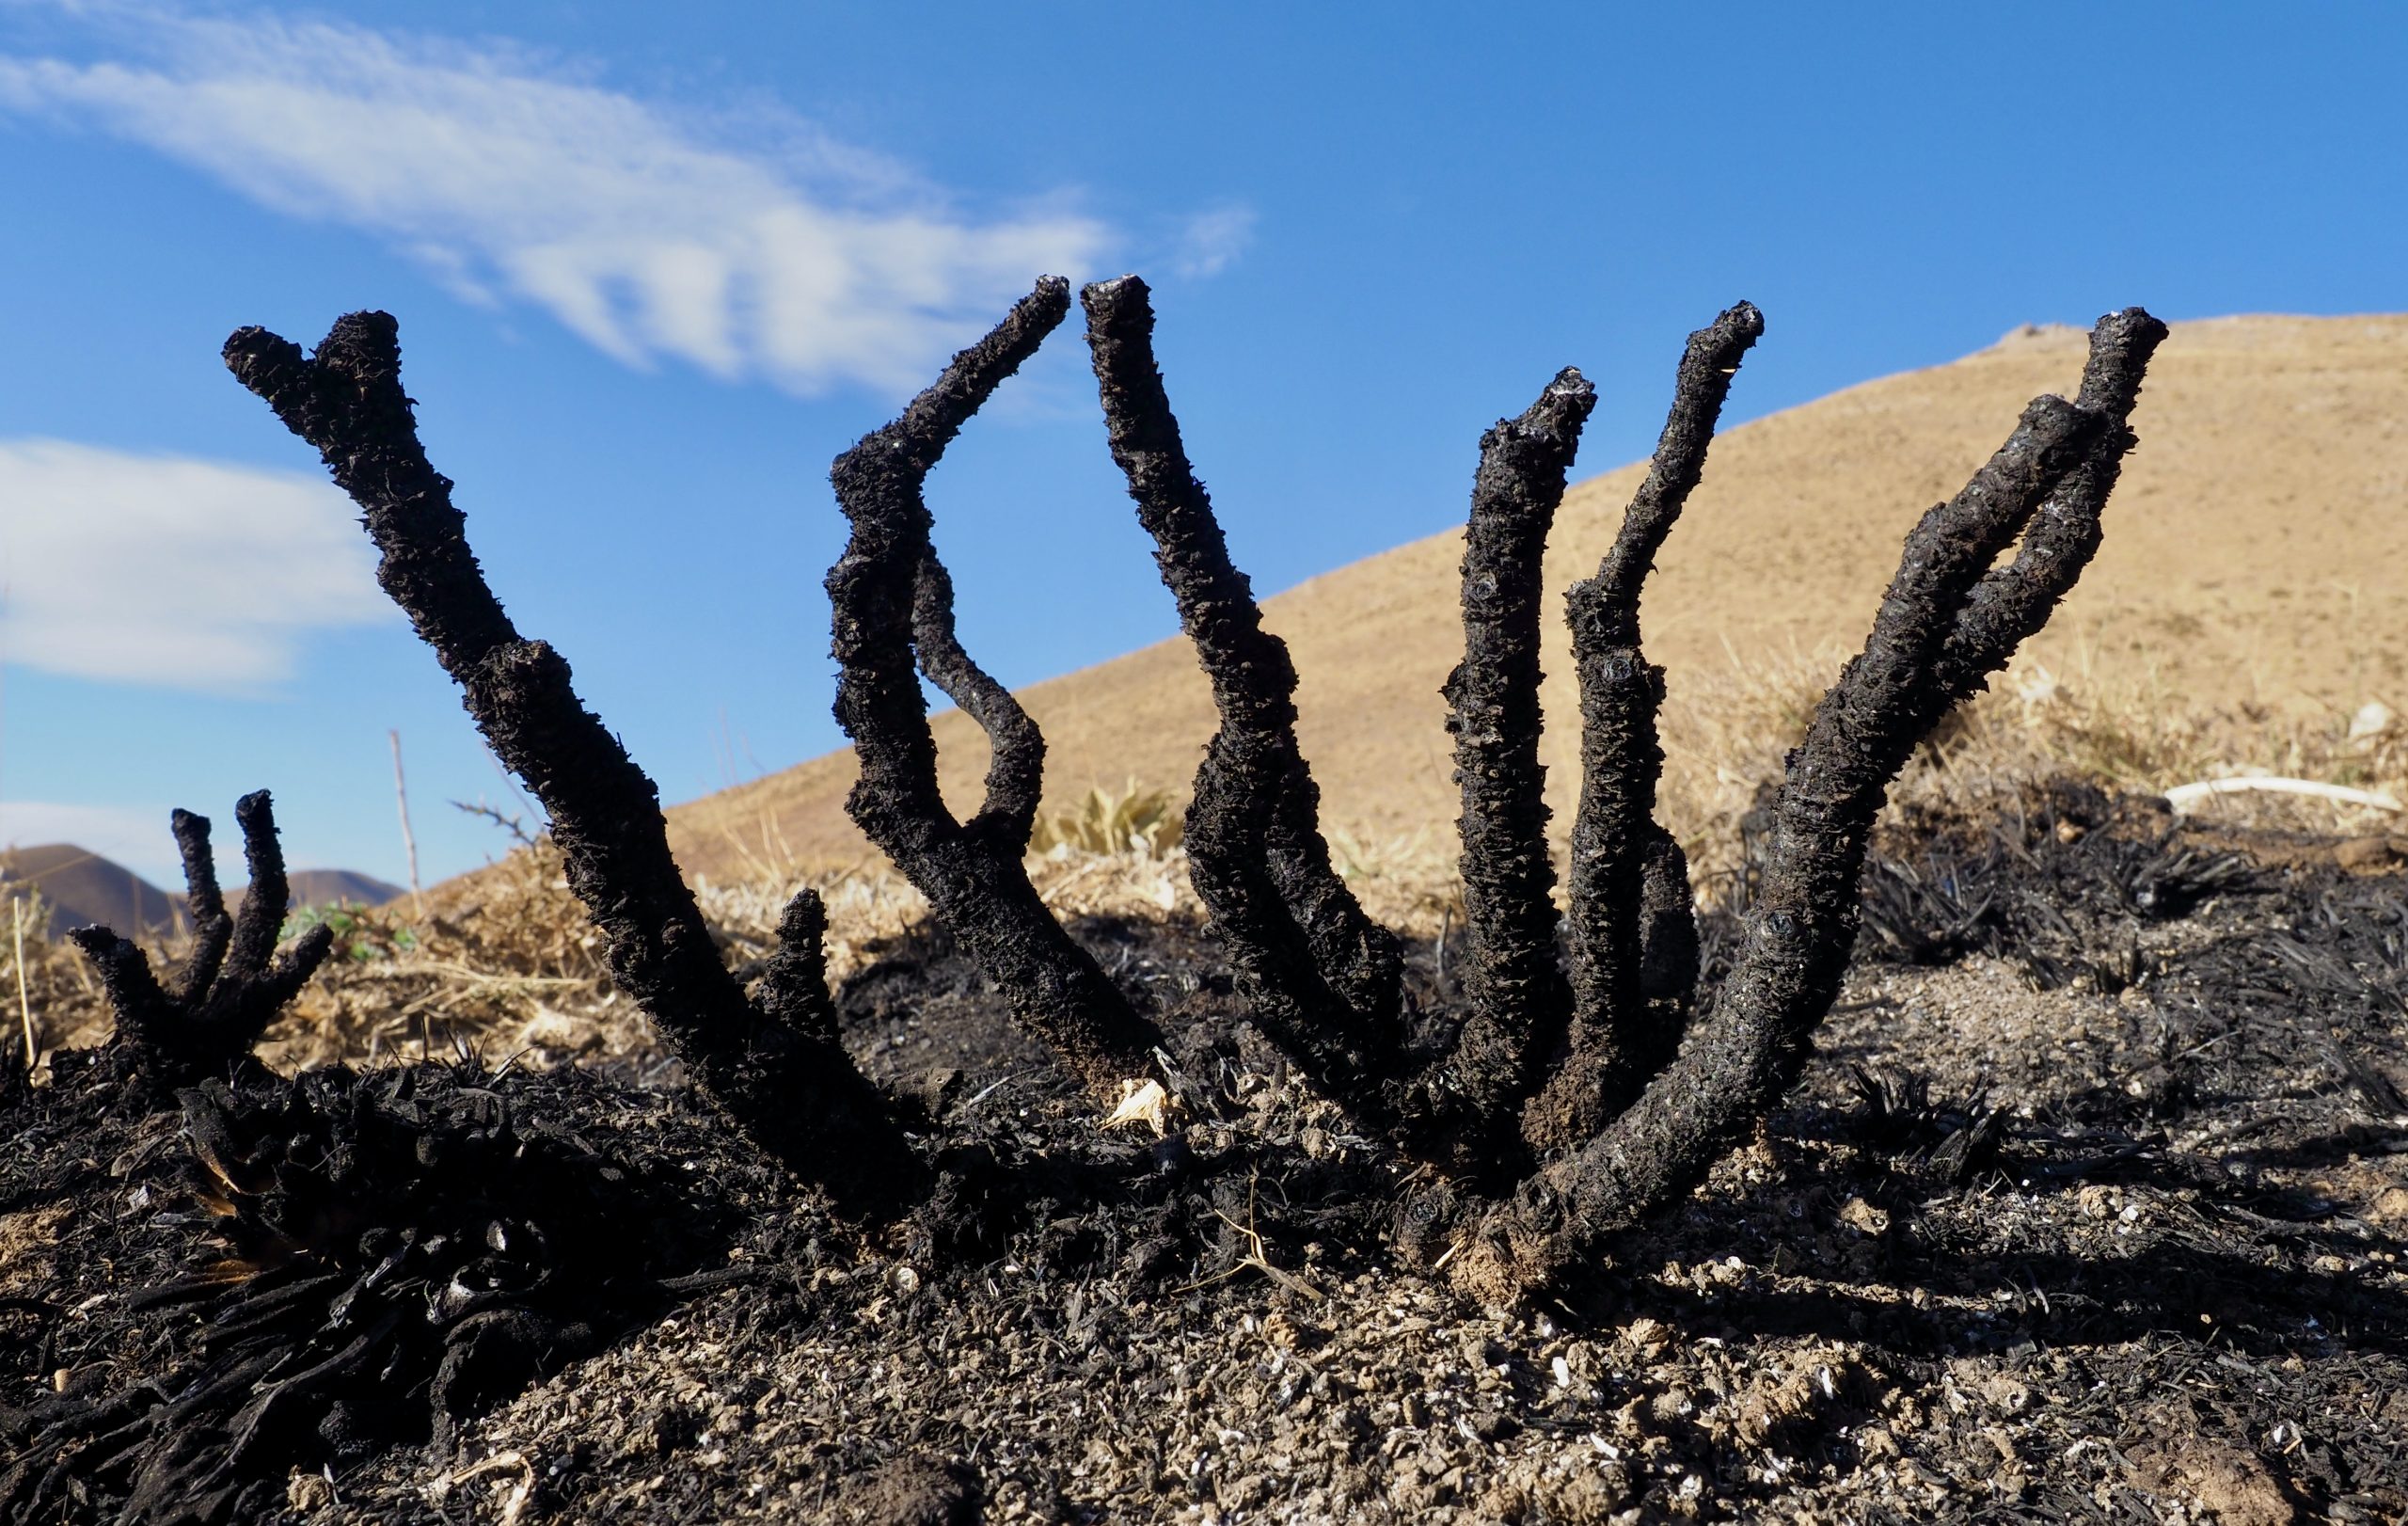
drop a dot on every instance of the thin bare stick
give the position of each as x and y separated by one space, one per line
2186 799
409 839
24 1002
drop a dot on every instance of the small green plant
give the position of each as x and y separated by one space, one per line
360 935
1138 819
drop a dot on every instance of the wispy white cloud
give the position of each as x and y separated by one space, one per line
761 248
1209 241
164 571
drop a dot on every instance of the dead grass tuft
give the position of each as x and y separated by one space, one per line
47 990
2051 714
1133 820
506 963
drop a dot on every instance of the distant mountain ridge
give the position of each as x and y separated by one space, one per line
80 887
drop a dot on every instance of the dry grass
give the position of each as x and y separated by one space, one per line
2053 713
47 988
2253 557
506 962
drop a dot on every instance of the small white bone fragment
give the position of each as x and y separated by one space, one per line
2188 798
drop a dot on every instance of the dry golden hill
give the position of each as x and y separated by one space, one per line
2255 563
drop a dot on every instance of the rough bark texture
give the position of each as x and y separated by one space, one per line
232 984
792 1090
213 931
1799 933
1015 749
888 594
1667 942
1621 1033
2010 604
1514 982
1535 1168
794 987
1323 976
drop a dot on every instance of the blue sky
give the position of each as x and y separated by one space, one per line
653 273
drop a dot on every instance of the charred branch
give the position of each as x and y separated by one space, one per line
793 988
1323 976
233 981
790 1089
1622 885
1803 921
213 931
892 621
1567 1107
1016 748
2013 602
1513 981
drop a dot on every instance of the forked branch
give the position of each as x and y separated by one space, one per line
1797 935
1634 937
893 621
2011 603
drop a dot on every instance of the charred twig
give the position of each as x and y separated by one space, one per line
512 824
233 982
893 602
792 1090
1634 937
1321 975
1513 981
1016 748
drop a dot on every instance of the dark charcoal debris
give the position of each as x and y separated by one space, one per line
2078 1253
335 1265
2067 887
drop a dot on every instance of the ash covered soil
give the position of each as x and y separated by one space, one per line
2093 1205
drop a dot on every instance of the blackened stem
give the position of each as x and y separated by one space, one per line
796 1095
888 594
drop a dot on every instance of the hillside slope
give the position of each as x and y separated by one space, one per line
2256 554
80 887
